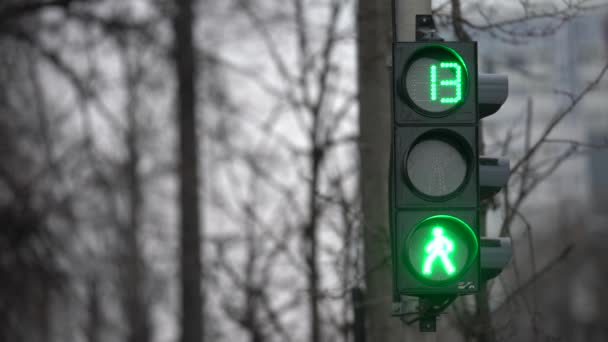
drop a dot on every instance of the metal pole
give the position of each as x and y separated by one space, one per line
359 314
404 30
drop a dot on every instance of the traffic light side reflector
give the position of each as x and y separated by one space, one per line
495 255
493 175
493 92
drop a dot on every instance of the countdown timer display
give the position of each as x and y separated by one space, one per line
435 80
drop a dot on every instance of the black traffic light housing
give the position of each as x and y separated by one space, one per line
417 195
437 176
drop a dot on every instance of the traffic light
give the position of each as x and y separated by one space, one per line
435 188
437 176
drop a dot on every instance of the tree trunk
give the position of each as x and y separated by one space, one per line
94 322
310 243
191 237
135 305
373 23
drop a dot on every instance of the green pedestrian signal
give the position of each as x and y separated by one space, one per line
439 247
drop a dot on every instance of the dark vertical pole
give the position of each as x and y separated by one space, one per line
358 314
190 238
373 47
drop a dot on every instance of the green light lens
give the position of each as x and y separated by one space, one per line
436 79
441 248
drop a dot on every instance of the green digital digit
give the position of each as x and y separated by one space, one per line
433 82
455 82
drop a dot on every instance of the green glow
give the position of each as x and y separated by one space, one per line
456 83
438 248
433 82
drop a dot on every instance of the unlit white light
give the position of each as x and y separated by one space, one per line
436 168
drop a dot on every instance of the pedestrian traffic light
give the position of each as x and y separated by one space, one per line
435 177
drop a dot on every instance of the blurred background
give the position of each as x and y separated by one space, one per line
193 170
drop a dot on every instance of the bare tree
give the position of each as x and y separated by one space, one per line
94 324
33 214
135 298
304 87
532 167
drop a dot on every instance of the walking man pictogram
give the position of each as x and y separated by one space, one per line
439 247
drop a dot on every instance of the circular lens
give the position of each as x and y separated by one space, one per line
436 79
441 248
435 167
